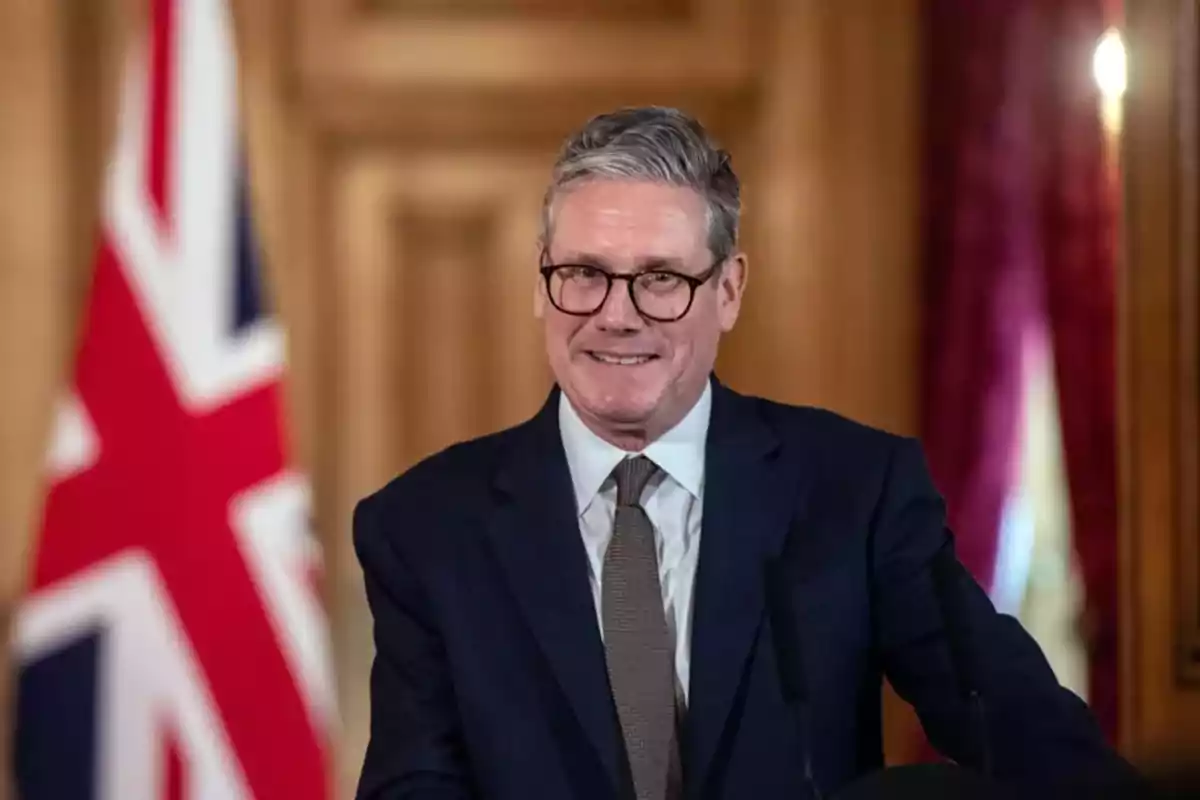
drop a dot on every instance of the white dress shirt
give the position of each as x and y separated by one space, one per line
673 501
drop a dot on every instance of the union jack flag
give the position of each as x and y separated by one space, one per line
172 644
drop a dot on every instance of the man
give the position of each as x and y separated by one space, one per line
577 607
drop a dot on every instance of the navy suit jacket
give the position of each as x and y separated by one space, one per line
489 678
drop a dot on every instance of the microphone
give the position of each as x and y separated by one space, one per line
785 631
947 582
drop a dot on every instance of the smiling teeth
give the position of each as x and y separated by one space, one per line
625 361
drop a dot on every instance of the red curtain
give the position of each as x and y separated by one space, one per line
980 260
1079 202
1019 236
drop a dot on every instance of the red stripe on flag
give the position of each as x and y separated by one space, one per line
162 79
174 777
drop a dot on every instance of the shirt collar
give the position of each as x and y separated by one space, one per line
679 452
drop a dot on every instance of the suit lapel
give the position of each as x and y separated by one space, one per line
535 533
749 494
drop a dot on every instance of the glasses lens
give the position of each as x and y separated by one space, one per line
578 289
662 295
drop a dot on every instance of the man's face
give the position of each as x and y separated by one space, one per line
626 375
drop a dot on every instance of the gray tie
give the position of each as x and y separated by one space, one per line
641 664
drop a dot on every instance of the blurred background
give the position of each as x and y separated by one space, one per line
971 222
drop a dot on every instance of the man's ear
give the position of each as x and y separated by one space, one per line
539 285
539 298
731 285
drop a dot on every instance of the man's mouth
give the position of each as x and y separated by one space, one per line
620 359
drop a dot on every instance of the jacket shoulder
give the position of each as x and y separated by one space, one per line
449 479
822 430
852 466
843 452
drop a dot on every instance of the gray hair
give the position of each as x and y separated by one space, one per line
655 144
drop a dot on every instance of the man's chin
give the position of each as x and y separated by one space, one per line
625 417
625 412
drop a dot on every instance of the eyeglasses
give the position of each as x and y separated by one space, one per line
657 294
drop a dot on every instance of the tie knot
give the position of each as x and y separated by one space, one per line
632 475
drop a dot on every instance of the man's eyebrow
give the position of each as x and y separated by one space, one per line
661 262
642 265
584 258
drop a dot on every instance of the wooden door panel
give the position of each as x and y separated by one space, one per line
1160 388
433 269
504 46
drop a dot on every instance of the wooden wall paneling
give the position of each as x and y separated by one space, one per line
832 211
434 339
1187 336
522 375
783 220
32 242
372 45
554 9
1160 554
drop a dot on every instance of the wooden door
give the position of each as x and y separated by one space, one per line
1160 389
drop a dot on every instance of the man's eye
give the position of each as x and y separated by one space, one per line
581 273
660 280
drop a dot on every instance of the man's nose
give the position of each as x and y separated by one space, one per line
618 311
